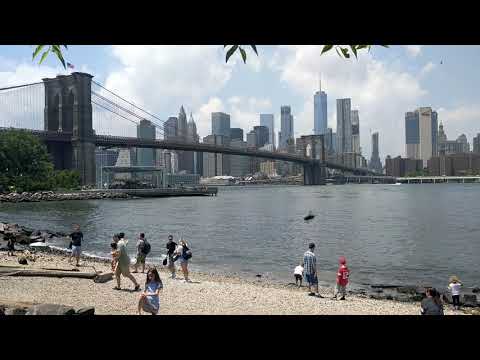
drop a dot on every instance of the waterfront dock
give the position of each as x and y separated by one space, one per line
439 179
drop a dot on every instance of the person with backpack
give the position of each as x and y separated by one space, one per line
185 254
143 249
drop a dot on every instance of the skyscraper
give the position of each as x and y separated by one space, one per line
216 164
170 128
286 133
239 165
220 124
375 162
190 157
421 134
476 144
344 126
320 120
145 130
268 121
252 139
236 134
262 133
182 128
355 132
465 145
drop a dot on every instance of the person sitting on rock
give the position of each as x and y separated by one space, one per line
150 299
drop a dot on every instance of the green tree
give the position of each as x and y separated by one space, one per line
24 162
66 179
344 51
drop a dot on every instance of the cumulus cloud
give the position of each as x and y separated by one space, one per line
163 78
413 50
381 95
244 112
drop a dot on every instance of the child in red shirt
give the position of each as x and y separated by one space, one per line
342 278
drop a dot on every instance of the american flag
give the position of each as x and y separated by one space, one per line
70 66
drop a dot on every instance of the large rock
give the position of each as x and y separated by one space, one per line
469 300
15 311
86 311
50 309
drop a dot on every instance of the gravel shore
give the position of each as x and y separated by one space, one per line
206 294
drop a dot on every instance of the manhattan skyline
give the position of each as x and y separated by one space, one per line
383 84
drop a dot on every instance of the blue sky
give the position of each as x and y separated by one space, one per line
382 84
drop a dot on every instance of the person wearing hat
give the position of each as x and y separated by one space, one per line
454 287
310 268
342 278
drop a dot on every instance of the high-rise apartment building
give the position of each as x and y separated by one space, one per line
286 126
355 132
268 121
344 126
220 124
320 120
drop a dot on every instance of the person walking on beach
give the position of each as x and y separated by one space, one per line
123 264
432 304
342 278
115 253
150 299
310 263
77 237
143 248
185 254
298 273
454 287
171 246
11 247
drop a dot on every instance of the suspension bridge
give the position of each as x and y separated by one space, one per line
73 114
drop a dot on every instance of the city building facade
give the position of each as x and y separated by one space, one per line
320 120
221 124
421 133
286 126
461 164
476 144
268 121
400 167
344 126
146 130
239 165
262 134
236 134
375 162
216 164
355 132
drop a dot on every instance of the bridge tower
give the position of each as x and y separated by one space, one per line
313 147
68 109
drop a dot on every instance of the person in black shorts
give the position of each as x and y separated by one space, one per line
171 246
77 237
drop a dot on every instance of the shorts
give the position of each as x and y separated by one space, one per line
183 260
141 258
298 277
76 250
311 279
147 306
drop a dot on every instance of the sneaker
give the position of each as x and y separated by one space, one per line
311 294
342 298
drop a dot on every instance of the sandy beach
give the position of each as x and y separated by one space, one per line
206 294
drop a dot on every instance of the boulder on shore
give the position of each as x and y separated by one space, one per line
50 309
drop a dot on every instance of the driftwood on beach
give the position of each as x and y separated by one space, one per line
18 271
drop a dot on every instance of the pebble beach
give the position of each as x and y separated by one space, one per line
207 294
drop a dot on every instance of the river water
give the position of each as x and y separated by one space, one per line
390 234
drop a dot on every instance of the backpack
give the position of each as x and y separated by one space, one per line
146 247
187 254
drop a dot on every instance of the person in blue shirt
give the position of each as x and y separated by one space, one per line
150 298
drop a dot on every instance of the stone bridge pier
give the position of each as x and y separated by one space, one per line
68 109
314 174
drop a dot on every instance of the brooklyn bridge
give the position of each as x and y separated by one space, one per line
73 114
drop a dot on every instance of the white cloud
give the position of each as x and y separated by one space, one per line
162 78
413 50
381 95
427 68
